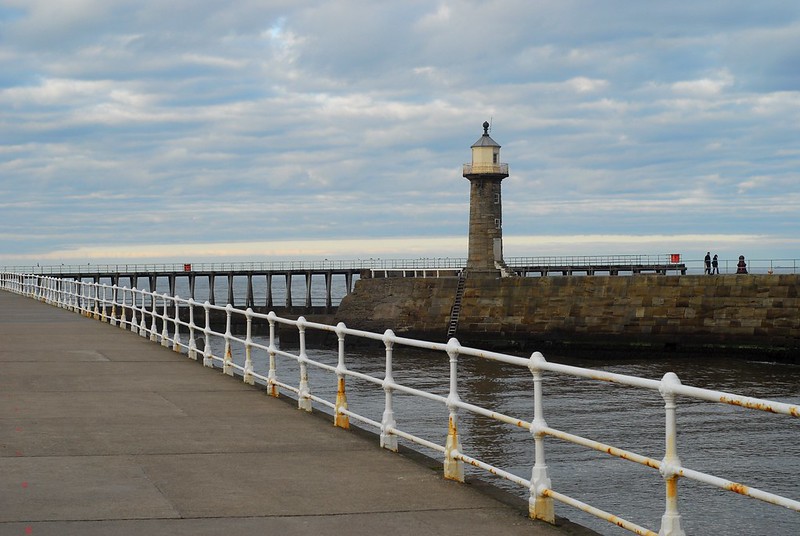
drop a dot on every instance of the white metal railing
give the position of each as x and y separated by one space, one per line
493 169
141 312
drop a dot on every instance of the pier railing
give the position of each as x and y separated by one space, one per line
156 317
418 265
255 266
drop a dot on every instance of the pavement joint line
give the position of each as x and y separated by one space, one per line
164 495
167 454
266 516
158 392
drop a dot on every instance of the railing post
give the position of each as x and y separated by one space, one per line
153 314
341 419
303 398
122 319
46 293
164 317
388 439
134 321
227 363
208 361
143 315
83 303
79 297
113 319
176 340
104 308
192 353
67 291
248 349
272 376
453 467
670 465
540 506
96 287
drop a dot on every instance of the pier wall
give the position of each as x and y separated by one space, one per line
653 312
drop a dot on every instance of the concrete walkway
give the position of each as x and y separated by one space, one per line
103 432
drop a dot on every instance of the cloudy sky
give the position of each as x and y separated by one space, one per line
192 130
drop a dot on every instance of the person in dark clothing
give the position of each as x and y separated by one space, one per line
708 263
741 267
715 265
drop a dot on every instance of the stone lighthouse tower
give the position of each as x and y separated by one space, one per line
485 174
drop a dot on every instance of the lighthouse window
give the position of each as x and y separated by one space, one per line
494 158
496 199
497 223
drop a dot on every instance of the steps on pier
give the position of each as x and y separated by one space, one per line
456 309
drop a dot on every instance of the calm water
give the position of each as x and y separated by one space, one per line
758 449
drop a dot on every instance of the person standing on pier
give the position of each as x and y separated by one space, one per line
741 267
708 263
715 265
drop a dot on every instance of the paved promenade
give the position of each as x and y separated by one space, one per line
103 432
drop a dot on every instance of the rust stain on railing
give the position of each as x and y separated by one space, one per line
794 411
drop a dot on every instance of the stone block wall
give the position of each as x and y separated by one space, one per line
406 305
653 311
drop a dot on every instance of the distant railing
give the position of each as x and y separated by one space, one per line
495 169
694 266
269 266
141 312
592 260
754 266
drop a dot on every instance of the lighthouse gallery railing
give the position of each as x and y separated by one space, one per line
142 312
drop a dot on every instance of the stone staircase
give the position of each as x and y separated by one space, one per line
456 309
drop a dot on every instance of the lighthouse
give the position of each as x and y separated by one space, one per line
485 173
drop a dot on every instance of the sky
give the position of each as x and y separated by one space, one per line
248 130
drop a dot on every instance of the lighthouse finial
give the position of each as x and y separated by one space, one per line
486 128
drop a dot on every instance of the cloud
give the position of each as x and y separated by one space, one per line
587 85
704 87
141 123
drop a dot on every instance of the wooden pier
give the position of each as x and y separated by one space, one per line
152 277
